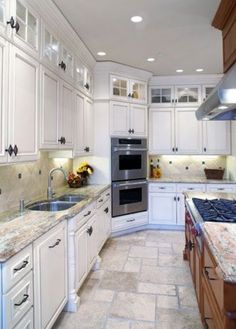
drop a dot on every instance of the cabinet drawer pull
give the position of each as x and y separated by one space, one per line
101 200
130 220
88 213
23 300
10 150
220 188
55 244
191 245
15 150
207 273
162 188
191 188
108 194
90 230
106 210
24 264
178 198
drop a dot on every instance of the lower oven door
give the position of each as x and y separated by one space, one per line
129 197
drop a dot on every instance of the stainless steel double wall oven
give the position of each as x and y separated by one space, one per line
128 174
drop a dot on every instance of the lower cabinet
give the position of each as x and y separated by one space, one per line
80 255
50 276
27 322
131 221
92 240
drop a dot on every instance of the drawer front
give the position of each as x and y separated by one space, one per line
129 221
27 322
158 187
16 268
84 216
103 198
191 187
18 301
211 276
221 188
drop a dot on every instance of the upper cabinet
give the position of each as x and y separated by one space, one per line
206 90
128 90
66 64
4 16
216 137
186 95
50 48
83 78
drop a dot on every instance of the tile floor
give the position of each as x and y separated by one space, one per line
143 283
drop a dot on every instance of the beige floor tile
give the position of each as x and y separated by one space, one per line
187 297
172 260
120 281
165 251
150 261
113 260
132 265
145 252
167 302
142 325
166 275
159 289
134 306
88 289
178 319
117 324
104 295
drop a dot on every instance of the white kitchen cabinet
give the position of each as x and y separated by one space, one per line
128 90
228 188
66 64
81 255
162 96
104 223
50 276
206 90
128 222
50 49
161 131
84 125
92 242
27 322
3 99
128 119
67 108
23 106
187 95
4 16
216 137
162 208
187 131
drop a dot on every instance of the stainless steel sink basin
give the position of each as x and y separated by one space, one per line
51 205
71 198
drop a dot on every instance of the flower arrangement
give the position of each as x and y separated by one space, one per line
83 171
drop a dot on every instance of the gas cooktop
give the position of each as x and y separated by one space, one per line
216 210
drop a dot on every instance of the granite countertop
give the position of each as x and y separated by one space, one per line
17 231
182 179
221 239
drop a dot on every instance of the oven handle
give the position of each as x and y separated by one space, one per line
130 184
117 149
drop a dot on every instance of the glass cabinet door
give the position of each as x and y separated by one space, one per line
68 59
138 91
88 82
3 12
187 95
28 25
161 95
206 91
119 87
79 74
51 48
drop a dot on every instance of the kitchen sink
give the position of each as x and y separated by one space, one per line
71 198
51 205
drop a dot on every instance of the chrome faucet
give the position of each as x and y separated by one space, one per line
50 189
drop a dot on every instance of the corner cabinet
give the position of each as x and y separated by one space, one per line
50 276
128 119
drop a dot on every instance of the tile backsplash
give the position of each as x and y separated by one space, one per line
188 166
29 180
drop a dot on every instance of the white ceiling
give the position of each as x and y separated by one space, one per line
178 33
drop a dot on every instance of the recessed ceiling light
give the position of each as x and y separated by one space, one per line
199 70
151 59
136 19
179 71
101 53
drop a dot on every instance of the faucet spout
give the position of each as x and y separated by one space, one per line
50 189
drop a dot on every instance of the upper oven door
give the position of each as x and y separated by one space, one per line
128 164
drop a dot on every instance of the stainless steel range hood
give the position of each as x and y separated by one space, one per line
221 103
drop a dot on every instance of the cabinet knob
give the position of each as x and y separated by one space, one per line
106 210
62 140
55 244
62 65
9 150
204 149
129 131
87 86
86 149
90 230
15 150
173 149
176 149
11 22
132 131
129 95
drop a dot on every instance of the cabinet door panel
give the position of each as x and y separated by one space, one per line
119 118
216 137
79 124
67 114
23 95
92 240
161 131
138 90
162 208
80 256
180 209
89 125
49 109
188 132
138 120
3 95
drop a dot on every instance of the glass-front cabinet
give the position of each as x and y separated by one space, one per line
88 81
50 48
3 16
187 95
162 96
206 90
66 62
128 90
83 77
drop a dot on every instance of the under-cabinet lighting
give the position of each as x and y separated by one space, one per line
179 71
199 70
151 59
136 19
101 53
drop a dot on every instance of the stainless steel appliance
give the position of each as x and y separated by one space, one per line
129 197
128 159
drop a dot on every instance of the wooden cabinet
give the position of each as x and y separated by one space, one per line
169 133
84 125
50 275
23 106
127 90
216 137
128 119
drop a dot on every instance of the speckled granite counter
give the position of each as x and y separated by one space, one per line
182 179
220 237
17 231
